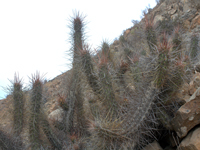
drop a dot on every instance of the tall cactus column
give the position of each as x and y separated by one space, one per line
150 34
35 104
75 97
18 101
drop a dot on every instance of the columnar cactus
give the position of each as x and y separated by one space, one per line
163 63
194 47
150 34
18 101
177 43
35 108
49 133
75 97
7 142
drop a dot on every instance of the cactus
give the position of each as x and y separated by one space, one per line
176 50
124 121
163 63
108 97
150 34
62 103
108 133
18 101
49 133
105 49
35 106
75 95
9 143
194 48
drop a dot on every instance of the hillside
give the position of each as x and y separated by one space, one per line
140 92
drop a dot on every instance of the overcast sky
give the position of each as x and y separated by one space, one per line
34 33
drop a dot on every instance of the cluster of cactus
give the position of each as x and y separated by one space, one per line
124 121
166 75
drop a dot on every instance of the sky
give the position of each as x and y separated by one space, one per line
34 34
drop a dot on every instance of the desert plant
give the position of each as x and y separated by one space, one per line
150 34
47 129
35 109
7 142
169 73
62 102
121 130
194 47
105 49
177 43
163 63
18 101
74 96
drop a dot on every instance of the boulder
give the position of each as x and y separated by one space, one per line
187 117
56 115
191 141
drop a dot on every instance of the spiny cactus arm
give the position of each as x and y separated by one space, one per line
176 49
194 47
69 121
49 133
77 27
106 88
88 68
9 143
77 38
163 62
150 34
35 104
105 49
18 101
142 112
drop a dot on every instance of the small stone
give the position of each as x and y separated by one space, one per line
158 18
173 11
